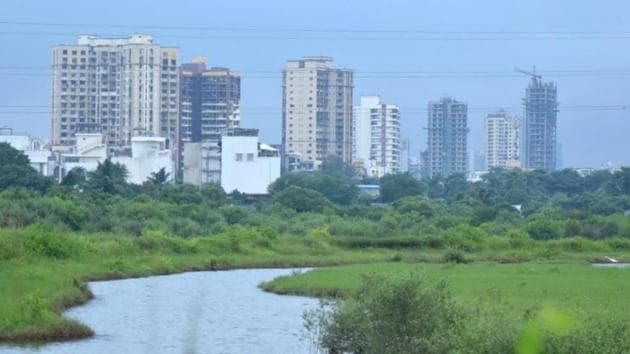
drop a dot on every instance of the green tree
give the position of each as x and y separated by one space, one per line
336 189
302 199
15 171
109 178
75 178
334 166
397 186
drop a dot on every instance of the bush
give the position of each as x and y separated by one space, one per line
455 257
403 314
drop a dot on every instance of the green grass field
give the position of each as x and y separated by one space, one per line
576 288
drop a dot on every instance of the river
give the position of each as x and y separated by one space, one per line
198 312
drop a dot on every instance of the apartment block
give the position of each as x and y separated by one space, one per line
119 87
317 111
447 143
209 101
540 125
376 143
503 140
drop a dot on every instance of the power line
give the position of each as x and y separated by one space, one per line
309 30
441 37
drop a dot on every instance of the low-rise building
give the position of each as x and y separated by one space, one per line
201 163
148 155
40 158
246 164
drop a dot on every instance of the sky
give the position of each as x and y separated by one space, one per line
389 36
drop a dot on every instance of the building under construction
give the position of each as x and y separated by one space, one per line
540 124
447 143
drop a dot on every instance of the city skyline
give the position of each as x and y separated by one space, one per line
484 80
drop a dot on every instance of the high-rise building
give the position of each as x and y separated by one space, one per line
119 87
539 128
503 140
376 136
209 101
317 111
478 161
447 143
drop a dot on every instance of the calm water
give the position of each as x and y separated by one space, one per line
201 312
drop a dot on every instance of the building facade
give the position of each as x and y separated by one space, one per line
317 111
540 125
120 87
447 143
40 157
503 140
247 165
209 101
376 144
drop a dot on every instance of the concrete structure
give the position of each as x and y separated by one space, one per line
209 101
540 125
247 165
317 111
114 86
447 143
202 163
503 140
148 155
376 136
478 161
40 158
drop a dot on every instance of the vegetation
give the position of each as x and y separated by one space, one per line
525 308
94 225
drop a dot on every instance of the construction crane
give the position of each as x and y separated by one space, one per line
531 74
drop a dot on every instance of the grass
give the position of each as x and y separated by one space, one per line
43 271
572 287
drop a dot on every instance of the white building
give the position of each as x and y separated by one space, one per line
503 140
247 165
317 111
376 136
116 86
40 158
147 155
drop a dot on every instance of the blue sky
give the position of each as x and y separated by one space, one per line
589 138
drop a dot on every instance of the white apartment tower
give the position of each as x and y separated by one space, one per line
503 140
447 143
119 87
317 110
376 136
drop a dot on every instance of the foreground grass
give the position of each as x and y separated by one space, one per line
571 287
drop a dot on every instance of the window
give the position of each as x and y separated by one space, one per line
239 157
250 157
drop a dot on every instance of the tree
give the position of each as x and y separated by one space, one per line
396 186
159 178
16 171
109 178
402 314
75 178
336 189
334 166
302 199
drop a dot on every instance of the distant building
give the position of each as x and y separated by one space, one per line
40 158
503 140
89 150
247 165
317 111
114 86
540 125
373 190
447 144
478 161
376 136
147 155
209 101
202 163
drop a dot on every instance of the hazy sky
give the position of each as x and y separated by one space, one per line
589 137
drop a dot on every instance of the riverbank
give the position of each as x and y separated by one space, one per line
44 271
576 288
